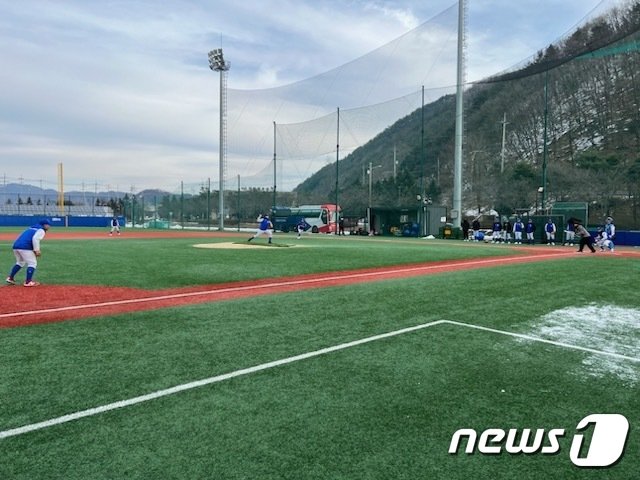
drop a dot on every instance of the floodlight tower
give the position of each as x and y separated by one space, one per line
218 64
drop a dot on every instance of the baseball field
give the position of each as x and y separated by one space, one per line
188 355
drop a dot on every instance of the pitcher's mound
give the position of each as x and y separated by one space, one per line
241 245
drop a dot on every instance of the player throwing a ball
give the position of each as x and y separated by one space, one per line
265 228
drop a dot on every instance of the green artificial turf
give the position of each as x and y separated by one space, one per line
385 409
175 262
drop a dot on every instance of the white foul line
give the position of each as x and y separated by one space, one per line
543 340
286 283
207 381
276 363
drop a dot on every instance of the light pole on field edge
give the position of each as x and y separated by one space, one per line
218 64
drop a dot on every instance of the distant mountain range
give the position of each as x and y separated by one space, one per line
14 191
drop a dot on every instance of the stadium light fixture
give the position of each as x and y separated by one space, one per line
217 63
541 192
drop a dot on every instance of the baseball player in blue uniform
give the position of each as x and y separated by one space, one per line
265 228
550 231
302 227
26 249
603 240
610 228
518 228
530 229
570 234
115 226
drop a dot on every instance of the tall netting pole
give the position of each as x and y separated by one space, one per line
456 213
274 166
208 203
337 158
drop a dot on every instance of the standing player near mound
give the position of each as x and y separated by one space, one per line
265 228
26 249
115 226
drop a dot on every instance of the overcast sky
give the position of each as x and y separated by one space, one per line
120 91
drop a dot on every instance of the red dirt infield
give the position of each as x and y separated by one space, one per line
22 306
61 234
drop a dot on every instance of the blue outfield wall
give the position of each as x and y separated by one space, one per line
58 221
630 237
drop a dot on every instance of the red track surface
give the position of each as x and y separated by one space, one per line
51 303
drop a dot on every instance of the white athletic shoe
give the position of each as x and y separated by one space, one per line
31 284
10 281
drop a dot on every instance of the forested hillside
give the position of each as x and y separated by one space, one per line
581 95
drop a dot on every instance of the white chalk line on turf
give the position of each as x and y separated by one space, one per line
543 340
276 363
286 283
207 381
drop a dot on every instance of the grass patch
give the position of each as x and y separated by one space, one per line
174 262
380 410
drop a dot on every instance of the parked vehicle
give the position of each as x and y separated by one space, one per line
320 218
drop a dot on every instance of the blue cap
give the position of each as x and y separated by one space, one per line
44 221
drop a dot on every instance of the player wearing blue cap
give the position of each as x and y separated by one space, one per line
26 249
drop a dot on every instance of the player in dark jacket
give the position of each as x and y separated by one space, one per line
475 226
497 231
507 230
585 237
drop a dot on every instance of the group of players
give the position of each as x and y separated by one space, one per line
26 247
265 227
508 233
